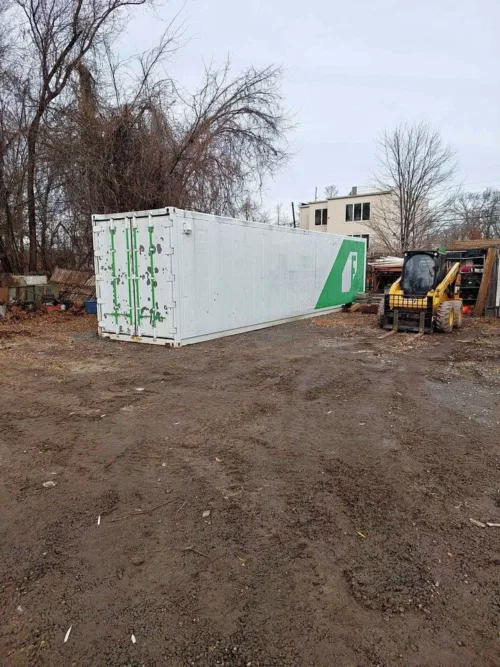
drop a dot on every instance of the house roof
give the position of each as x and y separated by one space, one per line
362 194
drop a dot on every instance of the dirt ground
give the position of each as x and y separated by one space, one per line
340 473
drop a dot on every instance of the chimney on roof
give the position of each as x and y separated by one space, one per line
354 190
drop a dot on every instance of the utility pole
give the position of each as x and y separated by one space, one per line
293 215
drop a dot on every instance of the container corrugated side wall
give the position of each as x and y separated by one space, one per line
237 275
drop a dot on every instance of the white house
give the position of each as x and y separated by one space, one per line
349 215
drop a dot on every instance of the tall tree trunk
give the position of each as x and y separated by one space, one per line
31 169
8 251
43 244
32 141
5 262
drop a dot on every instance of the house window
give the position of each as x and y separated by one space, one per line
357 212
320 216
362 236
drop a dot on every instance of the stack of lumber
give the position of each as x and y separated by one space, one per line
383 262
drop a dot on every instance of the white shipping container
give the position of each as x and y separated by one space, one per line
175 277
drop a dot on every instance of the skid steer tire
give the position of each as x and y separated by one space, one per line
445 317
459 314
381 314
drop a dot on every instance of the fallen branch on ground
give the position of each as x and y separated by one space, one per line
130 516
195 551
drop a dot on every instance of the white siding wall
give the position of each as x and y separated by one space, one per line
337 223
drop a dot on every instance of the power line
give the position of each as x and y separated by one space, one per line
481 182
450 188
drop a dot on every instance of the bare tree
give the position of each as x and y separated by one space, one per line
4 7
13 117
13 164
82 133
251 209
225 139
281 216
414 165
476 215
331 191
60 35
208 151
279 213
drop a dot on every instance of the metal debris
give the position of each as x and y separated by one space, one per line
66 636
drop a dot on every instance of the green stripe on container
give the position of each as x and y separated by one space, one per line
129 277
136 262
152 278
113 274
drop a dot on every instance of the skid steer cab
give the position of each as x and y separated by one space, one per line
425 298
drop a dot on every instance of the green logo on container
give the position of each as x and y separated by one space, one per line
345 279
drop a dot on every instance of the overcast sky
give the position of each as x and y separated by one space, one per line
352 69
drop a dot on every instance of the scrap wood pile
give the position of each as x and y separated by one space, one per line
74 286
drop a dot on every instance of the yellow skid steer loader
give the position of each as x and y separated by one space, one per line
426 297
